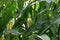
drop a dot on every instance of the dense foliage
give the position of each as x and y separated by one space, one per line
29 19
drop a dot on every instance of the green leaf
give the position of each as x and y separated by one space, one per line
44 37
11 31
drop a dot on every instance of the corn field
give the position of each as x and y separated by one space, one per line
29 19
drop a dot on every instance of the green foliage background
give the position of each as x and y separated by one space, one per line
29 19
